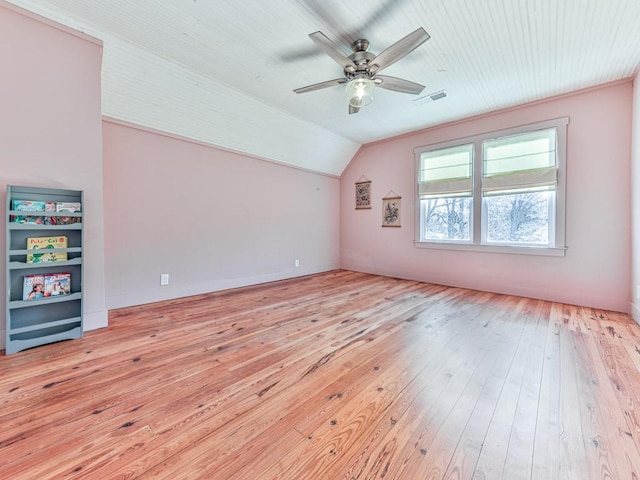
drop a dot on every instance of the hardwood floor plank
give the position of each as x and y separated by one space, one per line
546 448
519 458
604 428
573 461
613 395
341 375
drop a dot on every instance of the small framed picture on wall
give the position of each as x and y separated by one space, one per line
363 195
391 211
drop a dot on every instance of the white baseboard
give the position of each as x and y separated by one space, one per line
635 312
173 292
95 320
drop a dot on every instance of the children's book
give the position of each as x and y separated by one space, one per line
43 244
68 207
31 206
28 219
56 284
33 287
63 220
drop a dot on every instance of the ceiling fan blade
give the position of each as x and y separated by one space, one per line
318 86
353 109
322 12
299 54
383 12
329 47
398 50
398 84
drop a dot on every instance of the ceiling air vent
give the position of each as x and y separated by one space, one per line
432 97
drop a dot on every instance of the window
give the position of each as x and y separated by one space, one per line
446 187
501 192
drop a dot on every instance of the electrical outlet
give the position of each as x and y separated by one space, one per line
296 262
164 279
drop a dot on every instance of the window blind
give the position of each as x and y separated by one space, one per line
520 162
447 172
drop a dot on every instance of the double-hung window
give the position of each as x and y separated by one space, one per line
446 192
500 192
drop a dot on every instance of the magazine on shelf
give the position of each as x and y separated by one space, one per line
63 220
31 206
56 284
68 207
29 219
33 287
46 243
62 207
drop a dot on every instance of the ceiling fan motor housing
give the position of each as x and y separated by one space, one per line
361 57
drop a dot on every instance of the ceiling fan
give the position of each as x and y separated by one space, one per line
361 68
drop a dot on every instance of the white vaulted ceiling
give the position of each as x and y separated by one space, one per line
223 72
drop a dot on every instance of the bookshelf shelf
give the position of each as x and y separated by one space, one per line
33 266
44 301
43 228
55 317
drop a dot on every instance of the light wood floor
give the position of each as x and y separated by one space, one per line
334 376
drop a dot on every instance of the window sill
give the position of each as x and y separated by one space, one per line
469 247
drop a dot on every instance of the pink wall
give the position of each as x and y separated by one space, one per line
635 205
214 219
50 129
596 270
210 218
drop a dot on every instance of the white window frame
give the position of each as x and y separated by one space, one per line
478 235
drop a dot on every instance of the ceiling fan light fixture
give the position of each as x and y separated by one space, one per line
360 91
